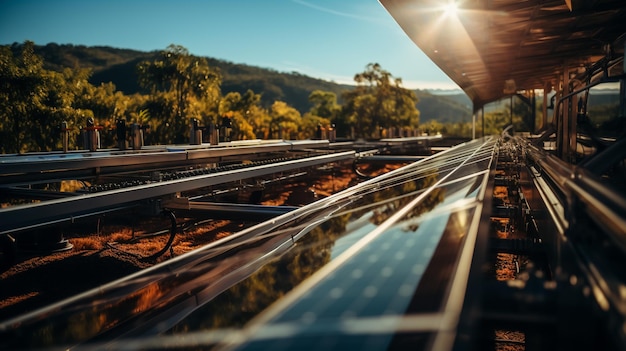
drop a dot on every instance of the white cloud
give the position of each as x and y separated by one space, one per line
335 12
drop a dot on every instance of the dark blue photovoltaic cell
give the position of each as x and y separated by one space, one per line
380 279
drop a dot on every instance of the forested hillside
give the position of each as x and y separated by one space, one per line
444 108
119 66
47 89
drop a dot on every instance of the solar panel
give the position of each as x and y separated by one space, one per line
377 266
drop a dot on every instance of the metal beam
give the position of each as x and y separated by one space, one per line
52 165
224 210
30 216
390 158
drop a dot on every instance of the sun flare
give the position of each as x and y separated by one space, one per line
451 8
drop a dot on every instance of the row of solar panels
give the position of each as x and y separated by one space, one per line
382 265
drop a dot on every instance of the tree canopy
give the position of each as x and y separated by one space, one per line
34 102
379 101
181 87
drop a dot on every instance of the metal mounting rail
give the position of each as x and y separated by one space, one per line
30 216
589 246
577 185
389 159
227 210
22 168
418 139
419 142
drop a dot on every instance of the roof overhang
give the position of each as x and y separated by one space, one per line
493 48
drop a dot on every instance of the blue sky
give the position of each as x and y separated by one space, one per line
327 39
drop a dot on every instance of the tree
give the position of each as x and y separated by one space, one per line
324 104
522 114
61 92
323 114
255 114
164 128
20 79
309 125
106 105
285 121
496 121
236 108
379 101
175 80
432 127
34 101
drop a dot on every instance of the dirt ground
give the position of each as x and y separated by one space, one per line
111 247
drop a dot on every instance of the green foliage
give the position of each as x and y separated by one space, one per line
244 112
143 116
97 58
324 113
293 87
310 124
324 104
119 66
34 101
285 121
432 127
165 127
444 108
255 115
378 101
36 96
495 121
175 80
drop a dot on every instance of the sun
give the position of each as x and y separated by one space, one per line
451 8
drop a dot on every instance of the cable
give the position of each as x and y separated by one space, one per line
173 230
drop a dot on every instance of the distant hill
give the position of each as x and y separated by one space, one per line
119 67
454 95
293 88
447 108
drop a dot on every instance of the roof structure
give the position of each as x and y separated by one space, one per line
493 48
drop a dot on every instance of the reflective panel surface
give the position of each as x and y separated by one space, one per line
377 266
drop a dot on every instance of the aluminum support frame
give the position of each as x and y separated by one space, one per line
21 168
18 218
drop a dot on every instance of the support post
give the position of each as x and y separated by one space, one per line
137 136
